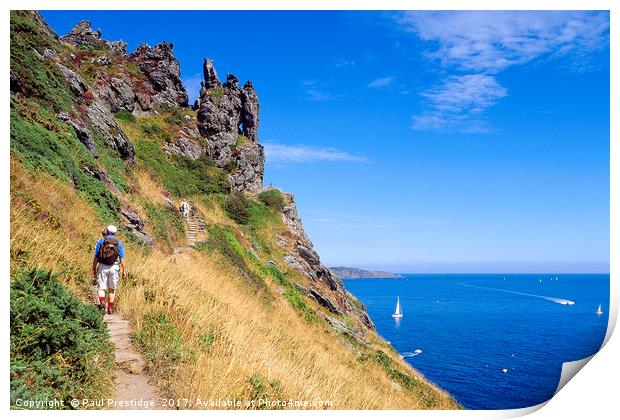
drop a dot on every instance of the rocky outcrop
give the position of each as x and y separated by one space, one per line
83 34
101 119
228 119
163 72
77 85
188 144
159 85
324 301
119 93
95 114
135 225
302 256
82 132
101 175
185 146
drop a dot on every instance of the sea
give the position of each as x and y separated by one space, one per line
493 341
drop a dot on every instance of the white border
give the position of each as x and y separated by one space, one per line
593 395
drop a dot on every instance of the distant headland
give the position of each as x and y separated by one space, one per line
358 273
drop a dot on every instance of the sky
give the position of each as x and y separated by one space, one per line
450 141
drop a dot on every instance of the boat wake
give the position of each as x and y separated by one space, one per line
561 301
412 353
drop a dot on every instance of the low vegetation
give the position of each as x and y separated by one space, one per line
59 345
237 207
273 199
228 328
46 145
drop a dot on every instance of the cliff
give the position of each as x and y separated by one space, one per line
234 299
358 273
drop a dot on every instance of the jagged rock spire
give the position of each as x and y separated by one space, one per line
163 71
82 34
210 75
225 114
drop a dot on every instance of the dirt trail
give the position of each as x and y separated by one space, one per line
132 380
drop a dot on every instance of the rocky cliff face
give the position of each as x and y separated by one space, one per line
228 119
105 80
325 287
121 89
228 115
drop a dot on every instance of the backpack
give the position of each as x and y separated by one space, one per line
109 251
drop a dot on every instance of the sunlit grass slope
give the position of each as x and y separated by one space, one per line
225 319
205 332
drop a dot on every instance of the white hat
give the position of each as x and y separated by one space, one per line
111 229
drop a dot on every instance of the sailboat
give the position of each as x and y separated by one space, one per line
599 311
398 313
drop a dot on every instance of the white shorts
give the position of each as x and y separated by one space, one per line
107 276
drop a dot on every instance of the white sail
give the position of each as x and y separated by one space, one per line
599 311
398 313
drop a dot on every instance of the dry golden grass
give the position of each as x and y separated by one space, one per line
213 213
149 189
51 228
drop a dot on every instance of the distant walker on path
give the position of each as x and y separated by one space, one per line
109 259
185 208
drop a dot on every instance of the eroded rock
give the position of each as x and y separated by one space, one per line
135 224
83 34
228 118
163 72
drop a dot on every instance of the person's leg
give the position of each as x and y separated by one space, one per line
101 287
110 298
112 284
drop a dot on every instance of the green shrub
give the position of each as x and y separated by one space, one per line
273 199
174 117
206 340
263 390
292 294
64 157
223 240
59 345
216 92
37 78
182 176
125 116
209 179
238 208
231 166
426 394
298 302
155 131
112 161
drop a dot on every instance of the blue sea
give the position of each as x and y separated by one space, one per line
491 341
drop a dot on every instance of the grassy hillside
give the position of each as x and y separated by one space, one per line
223 319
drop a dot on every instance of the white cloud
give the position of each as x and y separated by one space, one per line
318 91
319 95
343 62
491 41
192 86
282 153
381 82
457 103
477 45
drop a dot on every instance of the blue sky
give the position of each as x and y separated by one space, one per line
419 141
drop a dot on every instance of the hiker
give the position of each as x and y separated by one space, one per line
109 257
184 209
